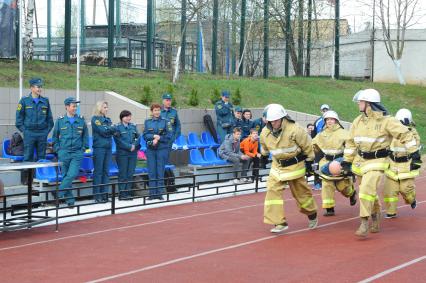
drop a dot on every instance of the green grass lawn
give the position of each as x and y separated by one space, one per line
300 94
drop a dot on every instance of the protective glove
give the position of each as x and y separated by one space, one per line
309 169
346 168
264 160
416 161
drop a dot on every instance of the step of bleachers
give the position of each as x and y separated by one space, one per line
11 178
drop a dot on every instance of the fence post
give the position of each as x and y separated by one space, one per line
193 188
113 199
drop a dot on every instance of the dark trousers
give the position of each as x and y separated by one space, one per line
101 161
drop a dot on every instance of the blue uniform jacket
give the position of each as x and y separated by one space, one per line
34 116
157 126
127 137
238 123
102 131
70 137
258 125
245 127
171 115
224 114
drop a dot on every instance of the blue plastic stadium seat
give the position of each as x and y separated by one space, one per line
113 169
87 165
113 146
6 145
207 139
141 170
47 173
195 158
210 156
90 153
143 144
194 141
170 166
180 143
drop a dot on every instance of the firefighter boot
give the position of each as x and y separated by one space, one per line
352 199
363 228
375 225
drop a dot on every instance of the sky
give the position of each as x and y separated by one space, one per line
356 13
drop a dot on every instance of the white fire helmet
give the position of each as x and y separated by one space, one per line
405 116
275 112
331 114
369 95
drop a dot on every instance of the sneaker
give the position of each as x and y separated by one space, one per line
329 212
413 204
313 223
279 228
390 215
236 182
245 180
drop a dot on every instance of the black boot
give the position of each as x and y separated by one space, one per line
352 199
329 212
413 204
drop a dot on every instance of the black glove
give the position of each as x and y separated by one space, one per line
264 160
308 166
416 161
346 168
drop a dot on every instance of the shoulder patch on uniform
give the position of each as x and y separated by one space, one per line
97 123
19 107
219 106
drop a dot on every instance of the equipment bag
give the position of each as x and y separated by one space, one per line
16 145
208 123
169 180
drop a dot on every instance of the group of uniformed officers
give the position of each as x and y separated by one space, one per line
71 141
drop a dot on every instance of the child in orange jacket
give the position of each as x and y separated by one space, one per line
249 147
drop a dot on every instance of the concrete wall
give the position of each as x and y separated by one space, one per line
191 119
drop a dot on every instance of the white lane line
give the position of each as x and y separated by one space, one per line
177 260
134 226
393 269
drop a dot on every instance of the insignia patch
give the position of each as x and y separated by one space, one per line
219 106
19 106
97 123
172 120
257 127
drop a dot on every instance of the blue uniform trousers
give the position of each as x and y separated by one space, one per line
101 160
126 168
223 132
71 162
34 141
156 159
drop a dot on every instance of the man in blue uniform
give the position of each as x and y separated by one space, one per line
225 115
170 114
34 119
70 141
247 124
260 123
238 117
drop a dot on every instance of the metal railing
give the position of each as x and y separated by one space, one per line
187 188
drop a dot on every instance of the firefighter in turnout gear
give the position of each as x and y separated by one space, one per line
403 169
330 143
292 155
367 150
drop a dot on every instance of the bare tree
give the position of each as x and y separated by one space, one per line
28 34
395 17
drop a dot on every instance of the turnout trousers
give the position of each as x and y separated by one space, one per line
368 199
405 187
274 203
344 186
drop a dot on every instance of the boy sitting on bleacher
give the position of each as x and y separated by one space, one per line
230 150
249 147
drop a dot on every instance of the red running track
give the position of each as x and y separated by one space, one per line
222 240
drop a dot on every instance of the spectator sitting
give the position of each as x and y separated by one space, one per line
238 117
247 124
249 146
310 129
230 150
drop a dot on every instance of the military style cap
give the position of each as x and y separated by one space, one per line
36 82
70 100
238 109
226 93
167 96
